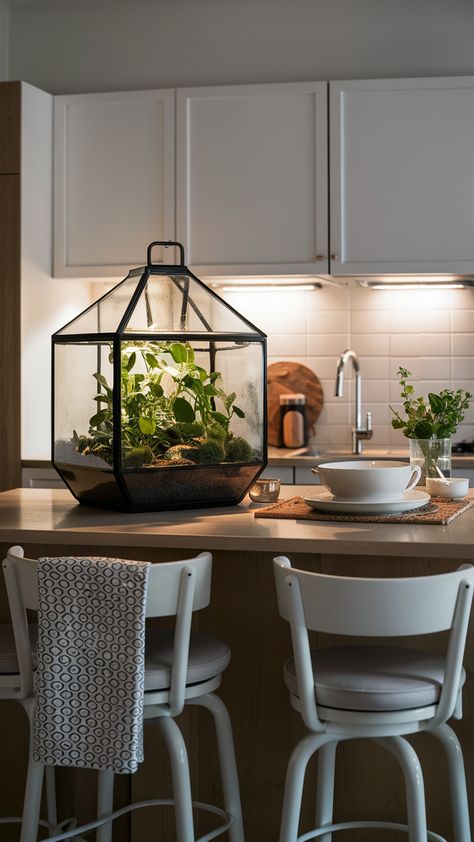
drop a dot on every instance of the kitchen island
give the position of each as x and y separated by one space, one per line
243 611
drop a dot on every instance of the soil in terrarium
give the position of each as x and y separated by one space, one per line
173 412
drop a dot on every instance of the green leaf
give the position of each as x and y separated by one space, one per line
209 389
147 425
102 398
151 360
239 412
131 361
183 410
423 429
101 379
178 352
156 390
436 403
99 417
220 418
189 354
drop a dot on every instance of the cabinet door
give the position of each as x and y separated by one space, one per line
402 176
252 179
114 171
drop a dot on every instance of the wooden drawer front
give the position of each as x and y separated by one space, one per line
10 135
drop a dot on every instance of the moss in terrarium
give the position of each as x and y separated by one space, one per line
239 450
172 410
137 457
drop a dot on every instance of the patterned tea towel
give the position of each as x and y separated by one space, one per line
91 658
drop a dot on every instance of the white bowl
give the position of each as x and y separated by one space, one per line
453 488
368 480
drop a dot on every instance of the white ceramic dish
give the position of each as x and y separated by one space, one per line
369 480
401 503
452 488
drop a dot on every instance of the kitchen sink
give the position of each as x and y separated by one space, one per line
329 453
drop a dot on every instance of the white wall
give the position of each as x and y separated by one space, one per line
99 46
46 303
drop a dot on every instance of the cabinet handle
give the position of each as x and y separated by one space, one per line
319 257
333 256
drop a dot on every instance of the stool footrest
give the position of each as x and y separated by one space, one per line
332 828
155 802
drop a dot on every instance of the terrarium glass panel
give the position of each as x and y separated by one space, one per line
105 315
173 304
169 409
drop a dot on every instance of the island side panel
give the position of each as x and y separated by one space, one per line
243 611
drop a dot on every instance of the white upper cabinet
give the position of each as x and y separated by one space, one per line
402 176
252 179
114 172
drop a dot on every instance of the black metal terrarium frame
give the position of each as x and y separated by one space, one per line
180 275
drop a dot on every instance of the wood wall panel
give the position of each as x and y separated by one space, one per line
243 611
10 127
10 336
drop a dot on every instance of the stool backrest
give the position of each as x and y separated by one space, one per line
373 607
175 588
419 605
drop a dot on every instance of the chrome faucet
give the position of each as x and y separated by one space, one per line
359 433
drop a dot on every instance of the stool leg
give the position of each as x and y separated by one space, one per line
414 786
457 782
325 787
51 797
227 763
34 784
32 802
295 775
180 775
105 804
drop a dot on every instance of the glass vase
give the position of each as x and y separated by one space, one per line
429 453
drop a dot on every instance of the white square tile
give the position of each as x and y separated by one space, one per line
435 344
374 368
286 345
369 321
463 369
426 321
362 298
326 345
328 298
370 345
463 344
462 321
334 321
375 390
334 413
435 368
463 299
403 345
323 367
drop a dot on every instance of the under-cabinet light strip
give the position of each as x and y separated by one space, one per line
269 287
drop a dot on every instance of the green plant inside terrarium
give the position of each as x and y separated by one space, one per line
173 411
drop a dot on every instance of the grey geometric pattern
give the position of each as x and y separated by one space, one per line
91 657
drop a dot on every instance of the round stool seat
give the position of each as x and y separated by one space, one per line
208 657
373 678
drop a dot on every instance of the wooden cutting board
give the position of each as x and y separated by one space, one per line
286 378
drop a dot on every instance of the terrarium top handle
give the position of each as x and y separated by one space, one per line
166 244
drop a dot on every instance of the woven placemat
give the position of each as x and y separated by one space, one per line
438 511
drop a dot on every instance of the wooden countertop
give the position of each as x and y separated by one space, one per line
52 516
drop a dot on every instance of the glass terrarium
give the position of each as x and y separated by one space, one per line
159 395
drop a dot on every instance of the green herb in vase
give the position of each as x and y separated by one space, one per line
430 423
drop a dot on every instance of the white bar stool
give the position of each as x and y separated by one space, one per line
181 668
13 686
378 692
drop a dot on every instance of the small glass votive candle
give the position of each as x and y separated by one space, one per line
265 490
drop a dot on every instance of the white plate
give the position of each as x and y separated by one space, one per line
409 500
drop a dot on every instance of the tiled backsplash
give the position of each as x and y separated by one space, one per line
430 332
